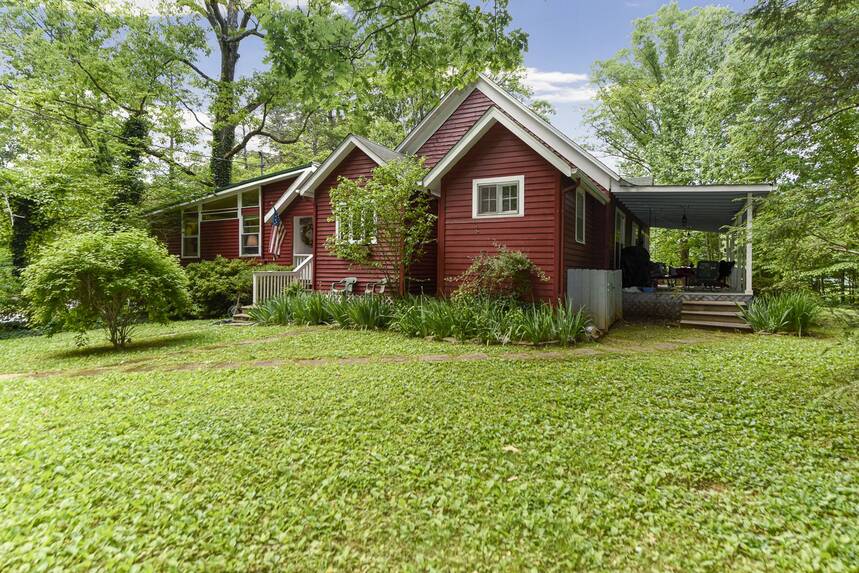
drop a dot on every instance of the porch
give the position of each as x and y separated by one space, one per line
707 292
270 284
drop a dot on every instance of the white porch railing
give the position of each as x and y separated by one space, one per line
269 284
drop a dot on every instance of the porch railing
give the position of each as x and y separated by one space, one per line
269 284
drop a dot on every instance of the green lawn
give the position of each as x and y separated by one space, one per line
311 448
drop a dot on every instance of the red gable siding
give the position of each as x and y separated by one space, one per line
500 153
590 255
326 267
452 130
300 207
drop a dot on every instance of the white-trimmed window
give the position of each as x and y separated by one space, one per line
250 198
220 209
581 205
498 197
191 233
619 234
250 229
634 238
358 229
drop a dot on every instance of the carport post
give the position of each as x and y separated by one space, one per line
749 216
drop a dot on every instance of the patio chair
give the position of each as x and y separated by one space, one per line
377 287
344 286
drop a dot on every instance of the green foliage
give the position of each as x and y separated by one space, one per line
751 439
679 247
109 280
505 274
383 222
464 318
708 96
221 284
792 312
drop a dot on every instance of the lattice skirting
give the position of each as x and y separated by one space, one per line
668 305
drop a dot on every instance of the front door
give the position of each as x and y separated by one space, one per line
302 240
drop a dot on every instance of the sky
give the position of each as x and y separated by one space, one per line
565 38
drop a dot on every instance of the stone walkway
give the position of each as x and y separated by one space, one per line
607 348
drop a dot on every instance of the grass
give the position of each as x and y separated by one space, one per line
673 449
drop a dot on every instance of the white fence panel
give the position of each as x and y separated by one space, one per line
269 284
599 291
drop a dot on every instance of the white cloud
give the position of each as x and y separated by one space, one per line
559 87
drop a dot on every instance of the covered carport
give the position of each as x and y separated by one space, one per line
710 208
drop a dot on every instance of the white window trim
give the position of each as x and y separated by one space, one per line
259 254
581 193
373 240
519 180
182 233
635 230
622 226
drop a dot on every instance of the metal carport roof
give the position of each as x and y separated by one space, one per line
707 207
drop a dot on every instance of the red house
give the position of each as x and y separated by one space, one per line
499 174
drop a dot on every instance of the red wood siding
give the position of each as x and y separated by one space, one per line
219 238
452 130
498 154
424 269
327 268
270 194
591 254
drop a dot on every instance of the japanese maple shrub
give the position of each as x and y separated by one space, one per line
105 280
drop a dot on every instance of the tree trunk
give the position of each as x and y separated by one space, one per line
223 108
23 226
684 249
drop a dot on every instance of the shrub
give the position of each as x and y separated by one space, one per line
109 280
220 284
507 274
486 320
368 312
793 312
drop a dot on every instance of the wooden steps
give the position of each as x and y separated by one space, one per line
240 317
721 314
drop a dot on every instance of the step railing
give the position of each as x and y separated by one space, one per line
269 284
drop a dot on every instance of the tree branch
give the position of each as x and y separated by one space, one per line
200 72
261 131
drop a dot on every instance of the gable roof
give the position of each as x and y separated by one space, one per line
589 165
491 117
290 194
239 186
377 152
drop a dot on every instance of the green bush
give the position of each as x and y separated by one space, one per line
108 280
792 312
486 320
563 324
219 285
507 274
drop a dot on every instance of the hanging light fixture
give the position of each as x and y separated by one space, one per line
683 220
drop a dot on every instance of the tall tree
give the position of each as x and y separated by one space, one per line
709 96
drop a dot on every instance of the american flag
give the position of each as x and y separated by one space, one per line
278 230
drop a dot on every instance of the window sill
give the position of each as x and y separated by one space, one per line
499 216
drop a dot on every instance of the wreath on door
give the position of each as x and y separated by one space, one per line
306 232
